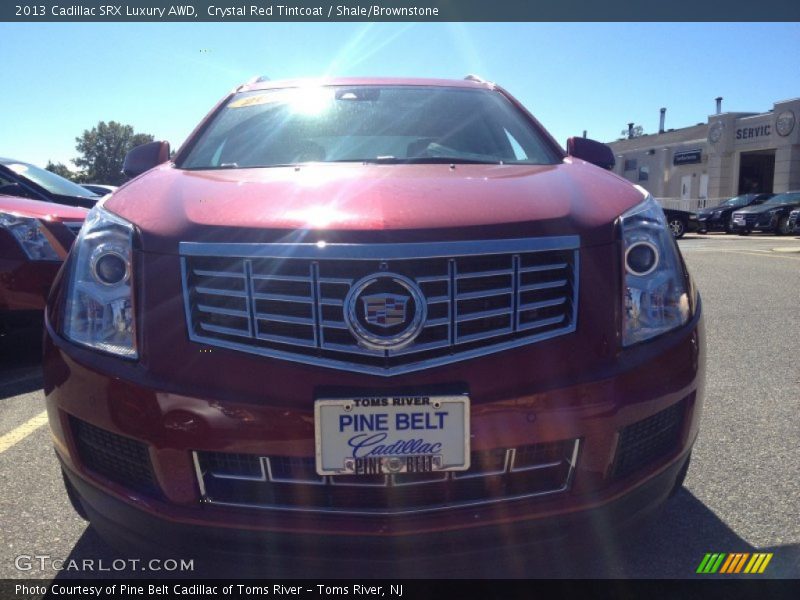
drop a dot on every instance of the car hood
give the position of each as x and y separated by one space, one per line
357 202
39 209
707 212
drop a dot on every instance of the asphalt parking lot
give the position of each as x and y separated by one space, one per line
742 493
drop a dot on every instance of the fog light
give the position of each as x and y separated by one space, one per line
109 266
641 258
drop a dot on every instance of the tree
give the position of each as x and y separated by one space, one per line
103 150
638 131
63 170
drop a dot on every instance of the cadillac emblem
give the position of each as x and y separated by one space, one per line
785 123
385 311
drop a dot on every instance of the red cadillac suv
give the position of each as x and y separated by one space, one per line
373 312
35 237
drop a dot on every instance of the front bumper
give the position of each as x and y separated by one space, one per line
137 531
711 223
756 222
645 381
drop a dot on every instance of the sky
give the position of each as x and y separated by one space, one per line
59 79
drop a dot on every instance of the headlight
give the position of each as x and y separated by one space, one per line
29 233
655 298
99 302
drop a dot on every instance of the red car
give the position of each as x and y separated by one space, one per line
35 237
376 313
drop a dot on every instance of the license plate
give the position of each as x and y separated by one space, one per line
376 435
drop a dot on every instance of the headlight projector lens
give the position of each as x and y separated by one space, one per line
641 258
109 267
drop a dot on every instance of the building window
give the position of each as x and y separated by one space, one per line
630 164
644 173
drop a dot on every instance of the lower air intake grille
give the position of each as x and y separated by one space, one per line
115 457
648 440
291 483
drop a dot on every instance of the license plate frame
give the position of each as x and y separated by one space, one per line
409 450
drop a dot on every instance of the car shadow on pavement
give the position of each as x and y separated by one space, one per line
670 545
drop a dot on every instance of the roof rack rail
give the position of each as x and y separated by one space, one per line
475 78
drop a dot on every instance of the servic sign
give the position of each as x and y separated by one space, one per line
744 133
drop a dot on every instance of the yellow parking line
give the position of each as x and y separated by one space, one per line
23 431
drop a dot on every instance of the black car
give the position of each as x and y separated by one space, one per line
718 218
794 221
772 215
680 221
18 178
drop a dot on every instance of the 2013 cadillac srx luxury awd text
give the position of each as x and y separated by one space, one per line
370 313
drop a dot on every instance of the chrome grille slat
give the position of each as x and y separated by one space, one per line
474 337
497 273
542 304
282 297
540 323
539 268
285 339
218 292
484 314
222 311
481 297
484 294
547 285
207 273
284 318
295 278
225 330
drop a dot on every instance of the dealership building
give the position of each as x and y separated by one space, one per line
730 154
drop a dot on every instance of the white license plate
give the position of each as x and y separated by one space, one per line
391 434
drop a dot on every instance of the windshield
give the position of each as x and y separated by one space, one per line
786 198
55 184
367 124
737 201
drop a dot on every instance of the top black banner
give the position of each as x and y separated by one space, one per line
400 10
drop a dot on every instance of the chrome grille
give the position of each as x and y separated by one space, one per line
288 300
291 483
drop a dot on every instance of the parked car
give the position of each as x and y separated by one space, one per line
718 218
98 188
794 221
681 221
23 179
771 216
34 239
372 314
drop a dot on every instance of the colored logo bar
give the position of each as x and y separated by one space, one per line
737 562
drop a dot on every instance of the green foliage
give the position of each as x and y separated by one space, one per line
103 149
63 170
638 131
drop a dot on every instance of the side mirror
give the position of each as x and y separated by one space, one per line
591 151
145 157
